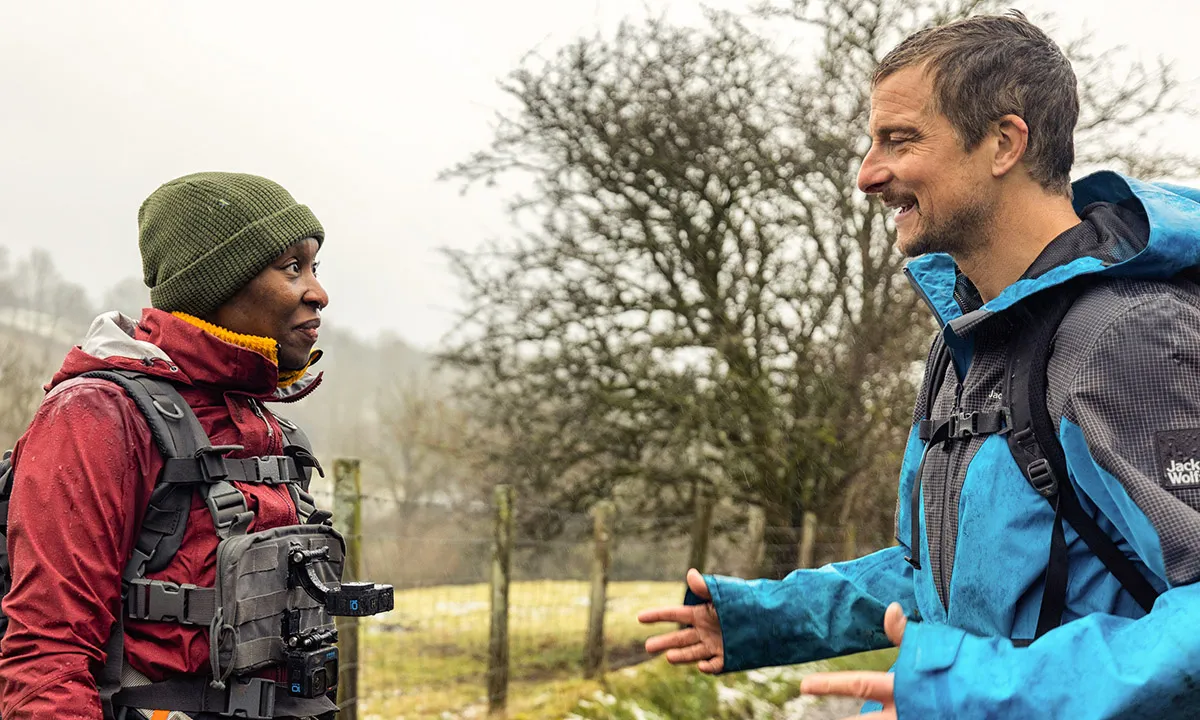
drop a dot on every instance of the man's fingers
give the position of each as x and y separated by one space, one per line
894 623
677 639
689 654
712 666
683 614
697 585
862 685
888 714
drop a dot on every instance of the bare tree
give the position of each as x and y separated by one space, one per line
700 295
22 373
420 445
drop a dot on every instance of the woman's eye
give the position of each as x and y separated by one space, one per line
293 266
314 268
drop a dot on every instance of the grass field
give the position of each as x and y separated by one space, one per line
428 658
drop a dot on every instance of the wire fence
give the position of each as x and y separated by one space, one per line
429 656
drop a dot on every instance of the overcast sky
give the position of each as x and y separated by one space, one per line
353 106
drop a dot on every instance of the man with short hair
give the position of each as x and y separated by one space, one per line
1052 562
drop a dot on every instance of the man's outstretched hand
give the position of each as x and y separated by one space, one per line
701 643
878 686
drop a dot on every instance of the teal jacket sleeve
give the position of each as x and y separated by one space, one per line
811 614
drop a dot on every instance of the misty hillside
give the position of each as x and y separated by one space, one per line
42 315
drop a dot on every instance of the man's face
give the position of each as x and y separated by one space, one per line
283 302
918 167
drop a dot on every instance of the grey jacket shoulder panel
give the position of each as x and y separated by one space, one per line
1126 371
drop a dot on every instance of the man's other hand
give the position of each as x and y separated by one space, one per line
878 686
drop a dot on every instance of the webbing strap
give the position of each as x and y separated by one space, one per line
1035 446
966 425
163 601
6 476
250 698
269 470
259 651
936 431
914 558
306 504
108 680
297 446
1054 593
162 531
228 508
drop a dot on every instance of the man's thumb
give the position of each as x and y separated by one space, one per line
697 585
894 623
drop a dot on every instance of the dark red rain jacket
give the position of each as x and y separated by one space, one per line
84 472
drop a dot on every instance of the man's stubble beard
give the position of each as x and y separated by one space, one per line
962 234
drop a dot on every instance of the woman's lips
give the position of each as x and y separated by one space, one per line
309 329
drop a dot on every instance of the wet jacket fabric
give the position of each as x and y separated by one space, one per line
1124 392
84 472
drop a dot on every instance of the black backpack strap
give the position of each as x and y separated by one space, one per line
934 433
6 479
1039 454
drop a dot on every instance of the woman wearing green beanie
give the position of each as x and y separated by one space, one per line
230 260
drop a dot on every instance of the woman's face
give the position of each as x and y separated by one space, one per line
283 302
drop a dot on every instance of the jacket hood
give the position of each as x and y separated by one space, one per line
1145 230
165 346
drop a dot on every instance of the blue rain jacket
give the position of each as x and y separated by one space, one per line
1124 387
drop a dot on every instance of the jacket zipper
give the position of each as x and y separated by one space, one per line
261 416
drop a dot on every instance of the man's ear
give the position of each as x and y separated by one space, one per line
1011 137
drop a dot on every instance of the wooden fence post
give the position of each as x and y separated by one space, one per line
808 538
593 650
497 673
347 520
755 550
701 523
850 541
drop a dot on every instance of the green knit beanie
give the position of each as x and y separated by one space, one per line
203 237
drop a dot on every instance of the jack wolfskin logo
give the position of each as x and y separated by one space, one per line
1184 473
1178 458
995 395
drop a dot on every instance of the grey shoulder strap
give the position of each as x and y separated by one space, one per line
297 446
179 436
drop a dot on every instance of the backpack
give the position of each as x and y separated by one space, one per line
1029 430
192 464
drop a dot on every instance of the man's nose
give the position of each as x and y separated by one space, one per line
873 175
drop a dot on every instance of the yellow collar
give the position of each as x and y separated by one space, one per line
261 345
